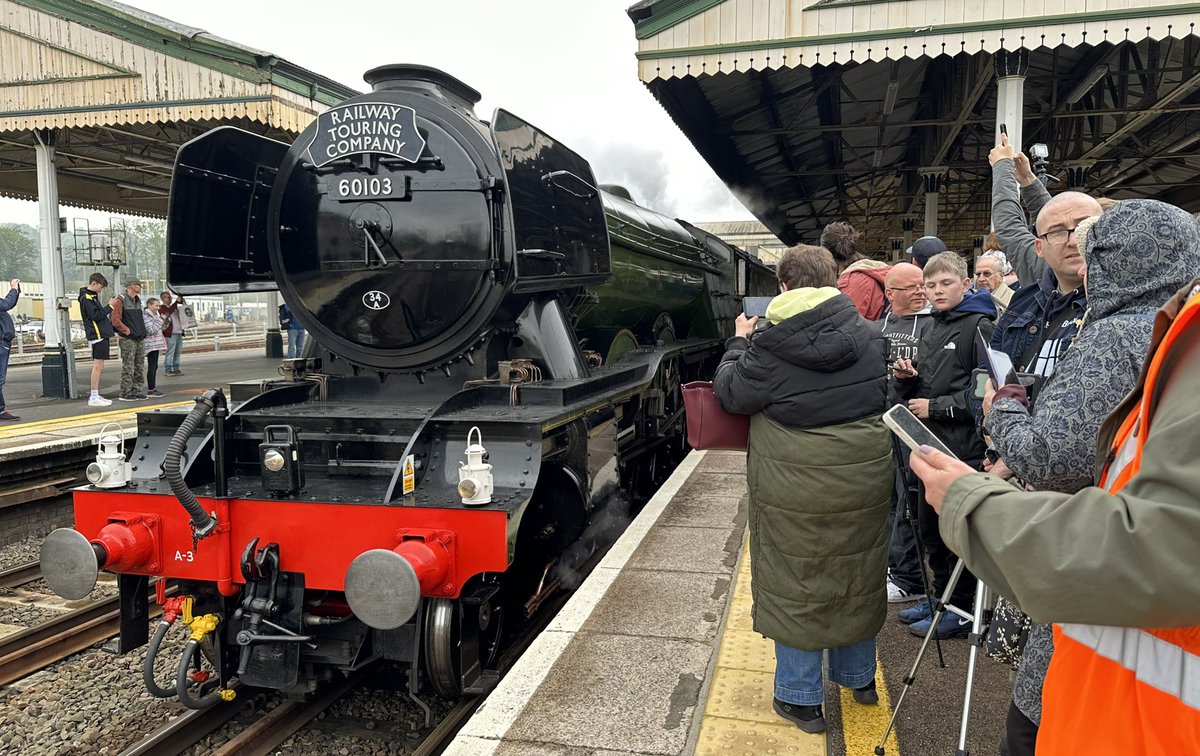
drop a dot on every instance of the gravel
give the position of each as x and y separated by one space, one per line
22 552
91 703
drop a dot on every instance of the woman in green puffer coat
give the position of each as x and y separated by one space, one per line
820 477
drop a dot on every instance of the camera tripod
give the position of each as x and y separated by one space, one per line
981 619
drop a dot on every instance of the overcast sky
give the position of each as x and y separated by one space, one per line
567 66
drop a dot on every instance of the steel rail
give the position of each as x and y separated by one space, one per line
279 724
186 730
29 650
20 575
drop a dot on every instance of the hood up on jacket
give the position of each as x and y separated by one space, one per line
876 269
1138 254
821 330
976 301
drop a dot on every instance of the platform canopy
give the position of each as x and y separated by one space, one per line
853 109
118 90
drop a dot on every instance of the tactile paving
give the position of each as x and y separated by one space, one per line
746 649
732 737
741 694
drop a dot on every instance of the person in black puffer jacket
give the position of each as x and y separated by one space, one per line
820 478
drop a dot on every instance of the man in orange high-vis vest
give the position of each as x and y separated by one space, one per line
1125 677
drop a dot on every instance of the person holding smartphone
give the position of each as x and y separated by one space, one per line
819 468
939 393
904 326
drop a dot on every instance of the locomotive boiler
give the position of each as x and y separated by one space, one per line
496 356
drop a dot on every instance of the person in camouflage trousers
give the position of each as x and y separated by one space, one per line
131 329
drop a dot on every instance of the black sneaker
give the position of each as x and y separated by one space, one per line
867 694
6 415
807 718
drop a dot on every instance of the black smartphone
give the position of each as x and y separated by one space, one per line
755 307
1003 129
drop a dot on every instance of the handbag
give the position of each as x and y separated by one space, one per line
1006 636
709 426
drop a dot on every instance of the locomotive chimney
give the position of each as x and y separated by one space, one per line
423 80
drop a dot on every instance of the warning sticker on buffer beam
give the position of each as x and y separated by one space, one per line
361 127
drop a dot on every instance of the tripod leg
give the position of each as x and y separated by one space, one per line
911 678
981 620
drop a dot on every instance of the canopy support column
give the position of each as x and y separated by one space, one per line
58 360
1011 68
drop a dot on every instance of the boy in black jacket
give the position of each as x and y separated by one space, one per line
97 322
938 391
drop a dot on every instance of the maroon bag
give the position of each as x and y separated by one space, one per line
709 426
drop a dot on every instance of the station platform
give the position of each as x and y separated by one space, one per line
655 654
53 425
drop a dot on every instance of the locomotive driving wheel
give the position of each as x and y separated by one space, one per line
459 633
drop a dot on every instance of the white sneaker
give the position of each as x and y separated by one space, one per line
897 595
98 401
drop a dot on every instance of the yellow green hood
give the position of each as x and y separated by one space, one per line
796 301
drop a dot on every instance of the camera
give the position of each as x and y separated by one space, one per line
1039 159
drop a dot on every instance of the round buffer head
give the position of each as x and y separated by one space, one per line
69 563
382 589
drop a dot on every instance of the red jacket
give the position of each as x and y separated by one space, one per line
863 282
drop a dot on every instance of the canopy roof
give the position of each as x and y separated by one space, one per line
816 112
125 88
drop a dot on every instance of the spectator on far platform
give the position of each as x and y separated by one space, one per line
131 326
174 326
288 322
814 383
8 332
97 323
155 344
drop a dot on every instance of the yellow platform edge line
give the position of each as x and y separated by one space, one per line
79 421
862 725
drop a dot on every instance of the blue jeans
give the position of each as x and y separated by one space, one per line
5 351
295 342
174 349
798 672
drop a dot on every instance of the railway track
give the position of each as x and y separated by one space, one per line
25 652
20 575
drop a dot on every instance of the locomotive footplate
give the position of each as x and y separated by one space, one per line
266 625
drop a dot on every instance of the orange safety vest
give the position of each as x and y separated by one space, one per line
1125 691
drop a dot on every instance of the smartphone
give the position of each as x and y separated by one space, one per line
755 307
979 380
912 431
1003 129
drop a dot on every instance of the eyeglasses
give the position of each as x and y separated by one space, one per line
906 290
985 273
1058 237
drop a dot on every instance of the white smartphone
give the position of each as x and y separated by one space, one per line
912 431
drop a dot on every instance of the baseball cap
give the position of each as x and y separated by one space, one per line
133 282
925 248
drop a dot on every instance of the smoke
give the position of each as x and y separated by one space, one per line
609 520
640 169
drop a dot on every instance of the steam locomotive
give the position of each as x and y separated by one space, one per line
498 348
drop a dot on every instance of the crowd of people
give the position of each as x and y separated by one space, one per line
1071 491
143 331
